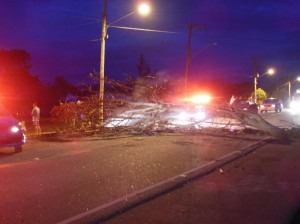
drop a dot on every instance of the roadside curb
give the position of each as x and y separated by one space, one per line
44 134
120 205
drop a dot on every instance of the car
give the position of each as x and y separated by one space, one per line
271 104
244 104
11 131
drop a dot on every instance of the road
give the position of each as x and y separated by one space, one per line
52 181
71 180
283 120
262 188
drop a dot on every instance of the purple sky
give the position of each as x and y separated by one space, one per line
60 34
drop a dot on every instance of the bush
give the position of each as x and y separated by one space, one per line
82 116
76 116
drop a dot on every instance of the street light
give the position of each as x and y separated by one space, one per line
270 71
143 9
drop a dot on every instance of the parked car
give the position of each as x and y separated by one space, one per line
271 104
11 132
244 104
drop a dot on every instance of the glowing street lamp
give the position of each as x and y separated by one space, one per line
144 9
270 71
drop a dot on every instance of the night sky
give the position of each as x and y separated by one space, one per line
62 37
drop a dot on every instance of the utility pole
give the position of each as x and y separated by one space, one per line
188 55
102 61
255 75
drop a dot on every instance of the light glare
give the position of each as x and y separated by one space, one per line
271 71
15 129
144 9
201 99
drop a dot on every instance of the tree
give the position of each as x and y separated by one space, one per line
261 95
13 60
19 89
62 88
142 67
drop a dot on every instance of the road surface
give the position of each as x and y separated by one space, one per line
285 119
77 180
52 181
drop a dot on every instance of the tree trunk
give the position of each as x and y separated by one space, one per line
256 121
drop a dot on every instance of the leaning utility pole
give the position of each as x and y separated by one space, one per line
188 55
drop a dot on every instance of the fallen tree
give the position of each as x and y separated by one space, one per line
147 113
256 121
154 117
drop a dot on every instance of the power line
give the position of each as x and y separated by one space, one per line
249 38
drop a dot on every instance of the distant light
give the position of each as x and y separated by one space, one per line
201 115
198 99
144 9
271 71
183 116
295 107
201 99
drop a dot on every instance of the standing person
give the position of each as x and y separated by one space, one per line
251 100
232 99
36 118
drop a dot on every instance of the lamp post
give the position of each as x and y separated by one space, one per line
143 9
270 71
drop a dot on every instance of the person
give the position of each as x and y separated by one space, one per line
36 118
232 99
251 100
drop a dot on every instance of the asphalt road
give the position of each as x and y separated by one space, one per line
262 188
285 119
51 182
75 181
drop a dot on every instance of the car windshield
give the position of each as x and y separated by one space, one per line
270 101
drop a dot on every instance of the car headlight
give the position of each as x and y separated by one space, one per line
15 129
201 115
186 116
183 116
